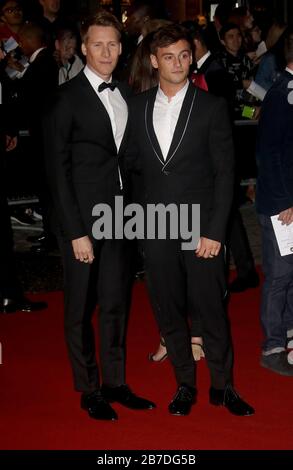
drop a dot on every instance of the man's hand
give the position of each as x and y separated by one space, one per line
286 217
14 64
246 84
257 111
11 143
207 248
83 249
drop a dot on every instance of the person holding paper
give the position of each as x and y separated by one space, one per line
275 197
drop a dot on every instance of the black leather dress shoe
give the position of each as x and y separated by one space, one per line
36 238
97 407
22 305
126 397
240 284
45 245
182 402
231 400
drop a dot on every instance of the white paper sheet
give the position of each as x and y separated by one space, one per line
284 236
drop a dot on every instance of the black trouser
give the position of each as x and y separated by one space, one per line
107 280
179 281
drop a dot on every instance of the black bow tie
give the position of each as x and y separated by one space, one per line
104 85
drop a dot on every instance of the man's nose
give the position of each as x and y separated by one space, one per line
106 51
177 61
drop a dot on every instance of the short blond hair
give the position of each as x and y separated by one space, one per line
100 18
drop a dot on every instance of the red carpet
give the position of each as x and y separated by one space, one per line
39 409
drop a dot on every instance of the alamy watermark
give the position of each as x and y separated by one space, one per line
152 221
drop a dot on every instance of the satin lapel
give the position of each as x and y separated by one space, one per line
182 122
104 116
149 110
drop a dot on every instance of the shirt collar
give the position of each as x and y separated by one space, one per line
289 70
176 98
35 54
201 61
93 78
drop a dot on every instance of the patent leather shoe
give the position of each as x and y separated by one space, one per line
97 407
22 305
231 400
37 238
123 395
45 245
182 402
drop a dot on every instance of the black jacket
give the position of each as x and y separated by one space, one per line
199 165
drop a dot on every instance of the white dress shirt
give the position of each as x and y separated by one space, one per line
201 61
35 55
115 105
165 117
68 71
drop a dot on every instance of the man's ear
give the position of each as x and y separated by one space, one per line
191 58
83 49
120 49
154 61
57 45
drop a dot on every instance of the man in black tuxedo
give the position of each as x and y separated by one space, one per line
33 91
84 139
182 137
12 298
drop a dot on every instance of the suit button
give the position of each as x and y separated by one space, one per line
166 172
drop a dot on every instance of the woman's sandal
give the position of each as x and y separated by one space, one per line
157 353
197 350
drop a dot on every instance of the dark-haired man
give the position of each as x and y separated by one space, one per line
85 138
182 137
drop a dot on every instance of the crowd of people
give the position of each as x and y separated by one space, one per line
148 112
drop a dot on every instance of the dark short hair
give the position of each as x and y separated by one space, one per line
33 30
100 18
226 28
198 32
168 35
64 33
152 8
3 3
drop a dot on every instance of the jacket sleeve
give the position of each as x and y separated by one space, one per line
57 127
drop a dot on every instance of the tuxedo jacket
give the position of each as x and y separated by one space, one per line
34 89
81 155
199 165
217 78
